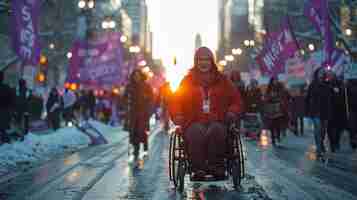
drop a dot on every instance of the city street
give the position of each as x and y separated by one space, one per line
103 172
87 88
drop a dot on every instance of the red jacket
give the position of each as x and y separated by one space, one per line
188 100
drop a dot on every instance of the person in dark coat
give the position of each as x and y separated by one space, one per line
317 103
298 111
163 100
236 79
91 104
352 111
53 107
338 118
22 106
276 109
253 98
139 98
7 106
84 104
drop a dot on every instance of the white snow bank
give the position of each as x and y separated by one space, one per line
40 148
112 134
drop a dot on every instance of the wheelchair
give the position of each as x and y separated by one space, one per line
180 166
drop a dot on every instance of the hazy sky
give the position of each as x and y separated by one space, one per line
175 24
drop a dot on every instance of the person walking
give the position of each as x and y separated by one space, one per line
163 100
7 106
351 103
298 111
69 99
53 107
253 97
139 98
276 109
317 103
22 104
92 100
337 121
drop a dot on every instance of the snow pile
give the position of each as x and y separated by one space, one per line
110 133
39 148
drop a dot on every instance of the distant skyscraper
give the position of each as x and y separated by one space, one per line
137 11
236 29
198 41
221 27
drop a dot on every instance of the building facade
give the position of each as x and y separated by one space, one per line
137 10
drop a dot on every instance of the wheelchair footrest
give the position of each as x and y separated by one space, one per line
208 178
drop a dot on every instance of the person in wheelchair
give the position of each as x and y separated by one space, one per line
202 105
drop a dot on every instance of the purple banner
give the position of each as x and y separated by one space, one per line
317 12
98 63
25 40
279 47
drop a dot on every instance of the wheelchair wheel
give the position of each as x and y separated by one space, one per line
236 173
171 152
242 159
237 162
176 159
173 158
181 176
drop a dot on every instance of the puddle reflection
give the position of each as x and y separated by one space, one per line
72 177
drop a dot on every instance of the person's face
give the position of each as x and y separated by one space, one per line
204 63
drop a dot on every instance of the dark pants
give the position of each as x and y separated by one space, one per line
206 145
138 136
5 120
334 134
353 129
22 120
92 112
299 125
276 126
54 119
68 114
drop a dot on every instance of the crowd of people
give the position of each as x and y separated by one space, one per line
14 109
20 107
329 101
204 101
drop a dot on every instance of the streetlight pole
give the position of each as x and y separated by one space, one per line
86 6
249 44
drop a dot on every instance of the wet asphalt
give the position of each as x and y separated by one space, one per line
289 171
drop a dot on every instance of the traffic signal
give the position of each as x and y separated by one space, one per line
67 85
43 60
73 87
41 77
116 91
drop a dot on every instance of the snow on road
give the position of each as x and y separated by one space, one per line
39 148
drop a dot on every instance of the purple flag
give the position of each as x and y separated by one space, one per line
279 46
97 63
317 12
25 38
